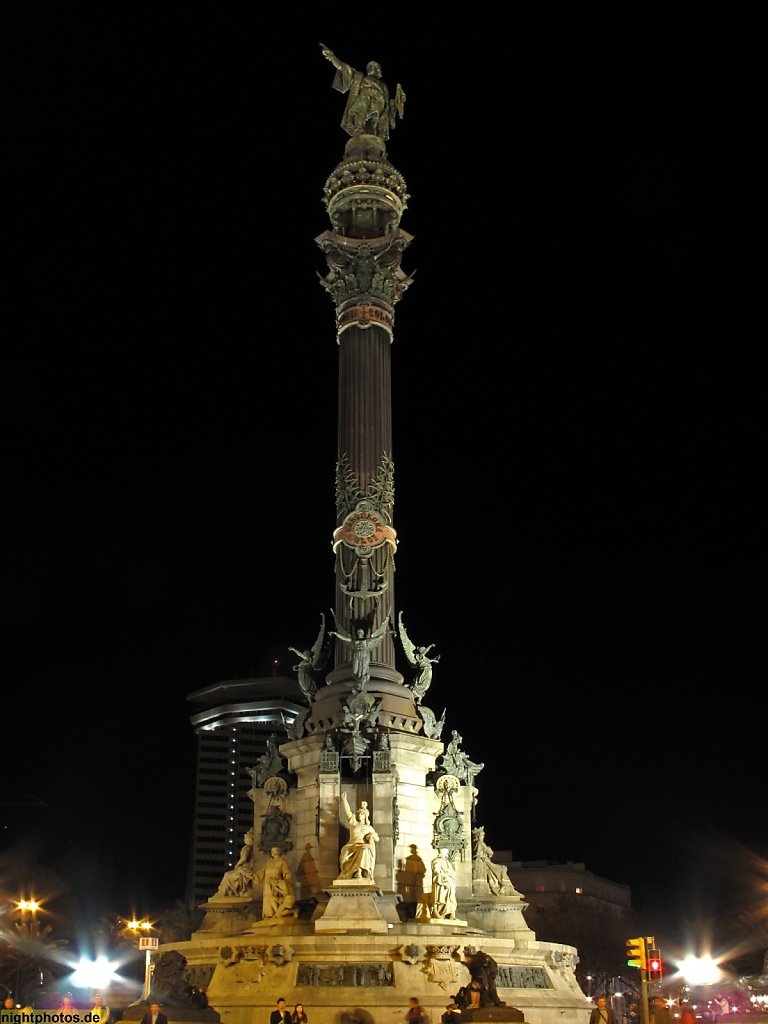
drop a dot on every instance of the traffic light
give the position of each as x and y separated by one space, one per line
654 965
636 953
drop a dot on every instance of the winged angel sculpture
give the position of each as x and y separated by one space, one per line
312 661
418 657
362 645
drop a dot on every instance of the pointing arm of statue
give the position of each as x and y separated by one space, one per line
331 56
348 815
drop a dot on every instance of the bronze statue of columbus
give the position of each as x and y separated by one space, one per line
369 109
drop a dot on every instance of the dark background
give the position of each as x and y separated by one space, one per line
578 407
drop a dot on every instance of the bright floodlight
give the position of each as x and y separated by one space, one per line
94 973
700 970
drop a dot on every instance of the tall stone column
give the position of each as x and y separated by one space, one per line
365 197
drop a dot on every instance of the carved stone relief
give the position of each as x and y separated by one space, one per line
513 976
319 974
444 969
448 828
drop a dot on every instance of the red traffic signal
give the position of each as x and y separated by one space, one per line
654 965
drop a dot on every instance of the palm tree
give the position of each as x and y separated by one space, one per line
179 921
30 954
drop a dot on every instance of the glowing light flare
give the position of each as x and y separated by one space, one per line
700 970
136 926
94 973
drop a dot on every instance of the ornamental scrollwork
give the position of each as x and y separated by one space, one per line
380 493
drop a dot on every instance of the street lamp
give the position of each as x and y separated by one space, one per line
24 906
149 944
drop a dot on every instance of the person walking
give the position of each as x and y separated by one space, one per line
602 1013
415 1014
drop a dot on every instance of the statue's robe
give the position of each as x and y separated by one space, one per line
347 79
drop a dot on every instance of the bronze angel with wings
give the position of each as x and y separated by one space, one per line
312 661
419 658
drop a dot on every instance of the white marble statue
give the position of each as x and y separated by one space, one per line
443 887
237 882
279 899
358 856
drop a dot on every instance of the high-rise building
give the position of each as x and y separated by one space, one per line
233 722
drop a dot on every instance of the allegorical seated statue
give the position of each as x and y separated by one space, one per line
456 762
484 872
237 882
358 856
369 109
267 764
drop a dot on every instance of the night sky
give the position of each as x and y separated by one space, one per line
578 408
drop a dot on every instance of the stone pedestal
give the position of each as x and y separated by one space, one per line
497 1014
228 915
497 915
357 906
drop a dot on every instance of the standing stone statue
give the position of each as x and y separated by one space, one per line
358 856
443 887
369 110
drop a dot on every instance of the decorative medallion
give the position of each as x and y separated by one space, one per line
412 953
363 530
280 954
275 826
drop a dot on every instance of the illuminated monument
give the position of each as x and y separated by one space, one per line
366 879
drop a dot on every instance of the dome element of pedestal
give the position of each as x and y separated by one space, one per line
365 198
